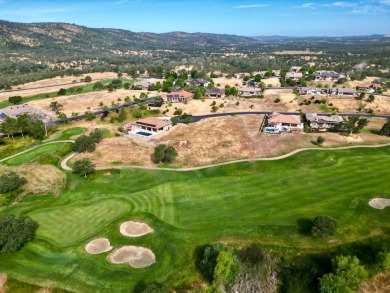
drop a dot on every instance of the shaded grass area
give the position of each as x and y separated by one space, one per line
67 133
257 202
47 154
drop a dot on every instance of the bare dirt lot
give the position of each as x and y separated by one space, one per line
222 139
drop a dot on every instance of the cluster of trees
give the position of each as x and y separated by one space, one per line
350 125
11 181
164 154
87 143
15 232
24 124
218 265
385 130
16 100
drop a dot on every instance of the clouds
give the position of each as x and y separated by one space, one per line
308 5
344 7
250 6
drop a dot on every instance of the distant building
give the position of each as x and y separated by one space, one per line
249 91
18 110
322 122
151 125
327 75
294 75
277 123
196 82
177 97
215 93
308 90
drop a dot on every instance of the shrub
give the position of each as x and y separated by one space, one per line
320 140
323 226
89 116
164 154
15 232
11 181
15 100
178 112
96 135
277 100
84 167
84 144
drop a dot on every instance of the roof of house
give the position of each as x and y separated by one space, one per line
294 74
153 122
143 83
249 89
313 117
3 116
216 91
181 94
17 110
344 90
281 118
326 73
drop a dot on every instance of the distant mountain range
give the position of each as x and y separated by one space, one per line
71 38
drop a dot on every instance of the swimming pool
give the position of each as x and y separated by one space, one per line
144 133
271 130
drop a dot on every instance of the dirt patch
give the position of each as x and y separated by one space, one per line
41 179
98 246
3 283
379 203
134 229
379 284
135 256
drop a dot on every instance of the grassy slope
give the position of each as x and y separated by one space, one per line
259 202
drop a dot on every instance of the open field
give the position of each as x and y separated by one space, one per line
260 202
208 142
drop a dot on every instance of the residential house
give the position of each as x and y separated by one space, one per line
18 110
177 97
277 123
196 82
145 84
215 93
294 75
322 122
346 92
308 90
296 68
327 75
252 83
248 92
152 125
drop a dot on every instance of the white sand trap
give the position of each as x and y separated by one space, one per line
379 203
135 229
98 246
135 256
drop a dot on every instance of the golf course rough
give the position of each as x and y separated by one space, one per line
135 256
379 203
134 229
98 246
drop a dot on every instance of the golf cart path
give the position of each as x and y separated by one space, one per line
66 167
35 147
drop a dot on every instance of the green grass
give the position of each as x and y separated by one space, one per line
43 153
67 133
260 202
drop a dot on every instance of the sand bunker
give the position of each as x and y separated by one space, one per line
98 246
135 256
379 203
134 229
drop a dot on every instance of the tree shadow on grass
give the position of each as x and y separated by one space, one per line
304 226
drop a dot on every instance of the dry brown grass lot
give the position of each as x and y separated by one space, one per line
42 179
221 139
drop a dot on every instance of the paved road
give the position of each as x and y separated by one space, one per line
35 147
66 167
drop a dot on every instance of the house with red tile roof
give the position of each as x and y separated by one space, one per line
277 123
177 97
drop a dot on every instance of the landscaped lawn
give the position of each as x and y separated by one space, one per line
261 202
45 151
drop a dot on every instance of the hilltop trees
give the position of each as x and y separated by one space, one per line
24 124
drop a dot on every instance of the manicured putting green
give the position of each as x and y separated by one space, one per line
68 224
68 133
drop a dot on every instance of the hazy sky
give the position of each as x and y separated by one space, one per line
240 17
